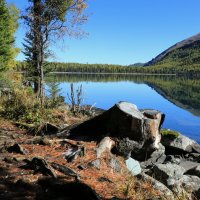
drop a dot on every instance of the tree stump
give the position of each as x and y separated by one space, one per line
125 120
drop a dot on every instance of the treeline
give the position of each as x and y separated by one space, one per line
161 68
83 68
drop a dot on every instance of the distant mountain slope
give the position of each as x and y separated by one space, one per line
182 50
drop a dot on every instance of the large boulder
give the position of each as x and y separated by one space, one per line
167 173
180 145
157 157
124 120
187 165
183 183
189 185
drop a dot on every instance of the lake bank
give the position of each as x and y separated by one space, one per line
115 73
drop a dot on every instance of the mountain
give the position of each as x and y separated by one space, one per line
139 64
186 52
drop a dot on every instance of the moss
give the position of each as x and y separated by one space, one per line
169 133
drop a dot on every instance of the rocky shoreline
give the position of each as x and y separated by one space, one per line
99 154
171 161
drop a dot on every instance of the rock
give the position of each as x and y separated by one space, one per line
166 173
165 192
115 165
105 144
196 148
96 163
133 166
125 147
158 156
40 165
194 171
124 120
180 145
188 184
16 148
188 164
195 157
9 160
173 159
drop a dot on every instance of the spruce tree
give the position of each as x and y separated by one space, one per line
48 21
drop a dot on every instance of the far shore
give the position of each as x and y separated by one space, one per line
115 73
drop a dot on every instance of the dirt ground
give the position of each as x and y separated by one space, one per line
18 180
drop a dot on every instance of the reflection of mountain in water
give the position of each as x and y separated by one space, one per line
182 91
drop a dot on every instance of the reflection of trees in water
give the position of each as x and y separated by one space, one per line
180 90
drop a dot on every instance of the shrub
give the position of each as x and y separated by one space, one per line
18 103
169 133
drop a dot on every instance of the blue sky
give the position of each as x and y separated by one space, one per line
126 32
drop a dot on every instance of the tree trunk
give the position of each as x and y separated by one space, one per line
38 50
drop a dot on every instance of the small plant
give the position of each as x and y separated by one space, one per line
76 98
55 99
169 133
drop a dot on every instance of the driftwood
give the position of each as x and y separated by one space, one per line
105 144
40 165
65 170
73 152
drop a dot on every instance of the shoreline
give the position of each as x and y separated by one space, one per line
115 73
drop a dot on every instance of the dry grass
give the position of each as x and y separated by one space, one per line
122 185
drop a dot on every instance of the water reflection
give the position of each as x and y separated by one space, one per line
171 94
182 91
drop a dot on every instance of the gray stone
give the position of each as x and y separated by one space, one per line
133 166
115 165
173 159
189 184
188 164
196 148
126 146
165 192
181 143
158 156
96 163
163 172
195 157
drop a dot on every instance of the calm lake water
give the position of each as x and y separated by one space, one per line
177 97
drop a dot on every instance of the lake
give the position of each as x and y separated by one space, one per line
177 97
